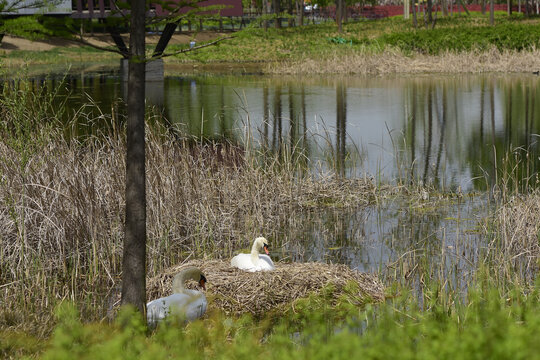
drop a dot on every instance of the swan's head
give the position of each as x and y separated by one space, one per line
262 243
190 273
202 281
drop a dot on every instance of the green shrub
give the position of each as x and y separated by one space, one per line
507 36
491 326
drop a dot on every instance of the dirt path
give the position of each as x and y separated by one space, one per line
10 43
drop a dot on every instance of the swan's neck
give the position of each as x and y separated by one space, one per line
181 278
255 252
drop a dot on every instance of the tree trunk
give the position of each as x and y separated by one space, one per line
429 12
265 11
277 11
339 5
413 134
134 253
290 21
434 19
492 12
406 9
464 7
415 20
509 7
300 12
341 128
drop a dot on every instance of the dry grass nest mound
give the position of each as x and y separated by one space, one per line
236 292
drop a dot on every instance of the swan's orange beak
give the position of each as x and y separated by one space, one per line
266 249
202 282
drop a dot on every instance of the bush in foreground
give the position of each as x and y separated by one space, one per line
490 327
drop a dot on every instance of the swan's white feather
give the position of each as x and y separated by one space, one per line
189 304
244 262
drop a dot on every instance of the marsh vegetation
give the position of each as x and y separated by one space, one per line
459 257
62 230
63 199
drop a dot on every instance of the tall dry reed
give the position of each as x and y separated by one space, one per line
62 206
517 238
391 61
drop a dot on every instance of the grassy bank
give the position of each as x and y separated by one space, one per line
389 45
322 41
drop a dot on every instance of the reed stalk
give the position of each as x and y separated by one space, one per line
62 204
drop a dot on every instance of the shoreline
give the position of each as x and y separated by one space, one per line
63 53
396 62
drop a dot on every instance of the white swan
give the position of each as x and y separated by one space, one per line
189 304
254 261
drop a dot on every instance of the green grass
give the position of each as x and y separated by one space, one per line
58 56
255 45
491 326
506 36
462 33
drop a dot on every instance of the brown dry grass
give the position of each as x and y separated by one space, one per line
395 61
519 229
236 292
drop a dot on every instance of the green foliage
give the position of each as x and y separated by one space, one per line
254 44
67 27
323 41
340 40
72 340
25 26
507 36
492 326
26 123
18 344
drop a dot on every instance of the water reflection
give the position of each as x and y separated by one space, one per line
459 132
467 132
449 132
341 128
398 240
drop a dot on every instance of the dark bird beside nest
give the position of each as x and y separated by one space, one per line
537 72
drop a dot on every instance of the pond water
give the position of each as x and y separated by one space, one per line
456 133
448 131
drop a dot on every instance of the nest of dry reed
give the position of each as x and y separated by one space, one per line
236 292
